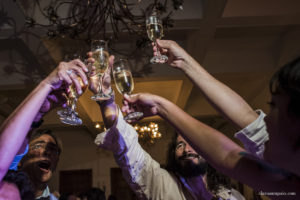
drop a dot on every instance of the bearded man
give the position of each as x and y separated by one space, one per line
144 175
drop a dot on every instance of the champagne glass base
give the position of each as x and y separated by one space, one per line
67 116
63 112
133 116
159 59
71 120
100 97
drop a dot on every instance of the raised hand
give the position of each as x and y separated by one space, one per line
177 56
143 102
67 73
60 78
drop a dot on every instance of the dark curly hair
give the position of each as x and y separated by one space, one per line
21 180
215 180
287 80
171 164
39 132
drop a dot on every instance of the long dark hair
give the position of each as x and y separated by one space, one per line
287 80
214 178
171 164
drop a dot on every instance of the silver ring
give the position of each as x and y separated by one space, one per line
69 71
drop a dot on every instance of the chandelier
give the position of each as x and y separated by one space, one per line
148 133
87 19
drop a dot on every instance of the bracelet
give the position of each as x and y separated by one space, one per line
37 124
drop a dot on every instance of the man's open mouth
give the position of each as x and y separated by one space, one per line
44 165
189 156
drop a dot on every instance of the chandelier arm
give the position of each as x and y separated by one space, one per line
81 14
41 11
92 22
37 4
113 21
103 21
94 14
114 24
87 19
62 3
79 23
129 16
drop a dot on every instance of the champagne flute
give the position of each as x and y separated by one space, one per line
101 56
124 83
69 115
155 31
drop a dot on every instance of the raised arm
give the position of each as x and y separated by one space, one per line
215 147
220 96
143 174
14 129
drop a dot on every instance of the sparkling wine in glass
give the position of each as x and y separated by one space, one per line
101 56
124 83
155 31
69 115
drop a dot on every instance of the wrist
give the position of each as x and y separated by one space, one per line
192 67
188 64
45 84
45 87
159 104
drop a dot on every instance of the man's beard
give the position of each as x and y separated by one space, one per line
188 169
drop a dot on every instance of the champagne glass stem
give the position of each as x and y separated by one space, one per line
73 105
158 51
100 83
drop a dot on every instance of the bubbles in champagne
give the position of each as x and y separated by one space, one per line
155 31
124 82
73 91
101 60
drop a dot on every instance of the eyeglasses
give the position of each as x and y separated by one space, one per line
180 145
47 146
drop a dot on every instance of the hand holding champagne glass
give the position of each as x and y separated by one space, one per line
124 83
155 31
69 115
75 89
101 57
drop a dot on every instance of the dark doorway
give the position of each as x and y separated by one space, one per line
75 181
119 187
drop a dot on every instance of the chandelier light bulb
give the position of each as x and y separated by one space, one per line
149 133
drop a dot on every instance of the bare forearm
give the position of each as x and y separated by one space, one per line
17 125
222 153
210 143
220 96
39 116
